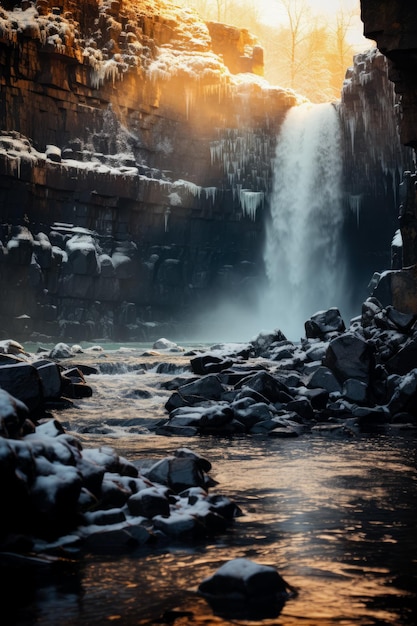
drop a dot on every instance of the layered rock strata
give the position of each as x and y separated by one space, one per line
150 136
123 119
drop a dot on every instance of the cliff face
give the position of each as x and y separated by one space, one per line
393 25
136 154
123 119
374 162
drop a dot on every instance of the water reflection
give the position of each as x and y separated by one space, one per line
336 518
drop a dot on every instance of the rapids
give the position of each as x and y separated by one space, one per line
336 517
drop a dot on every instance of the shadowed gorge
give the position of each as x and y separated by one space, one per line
155 134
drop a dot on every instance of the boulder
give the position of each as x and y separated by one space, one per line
355 391
50 376
148 503
13 414
208 387
177 473
243 588
324 322
267 386
82 255
20 248
323 378
22 381
209 363
349 356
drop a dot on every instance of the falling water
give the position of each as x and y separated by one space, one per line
303 258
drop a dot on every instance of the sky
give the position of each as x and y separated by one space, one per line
272 13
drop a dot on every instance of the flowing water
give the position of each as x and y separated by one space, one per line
303 256
336 517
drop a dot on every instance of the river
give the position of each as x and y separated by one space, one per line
336 517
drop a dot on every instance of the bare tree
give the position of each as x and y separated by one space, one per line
297 13
344 49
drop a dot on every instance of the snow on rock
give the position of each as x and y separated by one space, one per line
10 346
166 344
243 588
244 577
94 498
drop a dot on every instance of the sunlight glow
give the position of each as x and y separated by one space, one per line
273 13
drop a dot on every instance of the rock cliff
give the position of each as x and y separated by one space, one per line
123 119
136 152
374 162
393 25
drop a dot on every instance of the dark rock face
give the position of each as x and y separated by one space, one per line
393 25
374 165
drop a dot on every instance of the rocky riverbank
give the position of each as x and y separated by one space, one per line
58 497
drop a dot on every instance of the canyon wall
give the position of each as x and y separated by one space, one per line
137 146
123 120
374 163
393 26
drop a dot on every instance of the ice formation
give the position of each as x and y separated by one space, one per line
250 201
379 133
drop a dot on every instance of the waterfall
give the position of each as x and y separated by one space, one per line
303 259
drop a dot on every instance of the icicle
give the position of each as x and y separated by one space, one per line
216 151
250 202
166 218
210 193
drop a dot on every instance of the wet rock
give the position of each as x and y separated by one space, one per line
110 540
50 376
263 343
22 381
301 406
20 248
104 518
10 346
370 308
243 588
268 386
208 364
317 398
203 463
209 387
165 344
177 473
61 351
254 413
